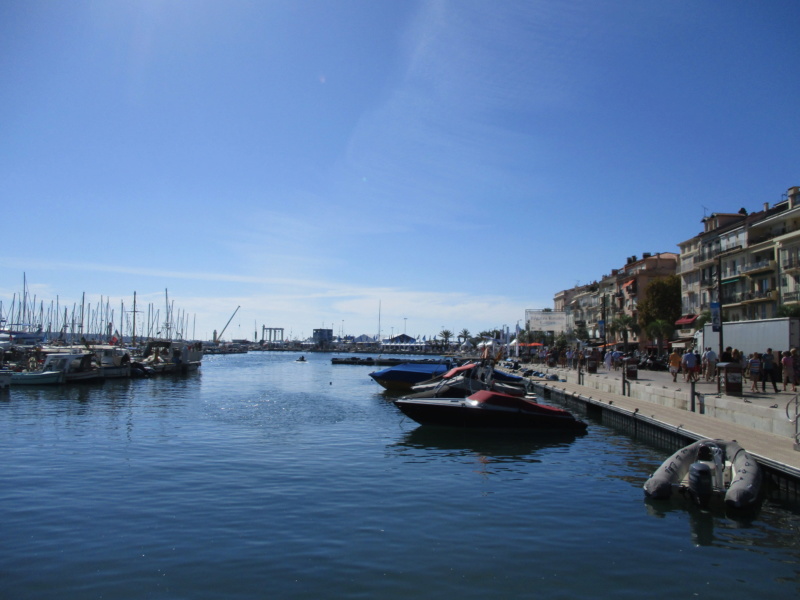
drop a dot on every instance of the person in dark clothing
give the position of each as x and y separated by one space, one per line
768 371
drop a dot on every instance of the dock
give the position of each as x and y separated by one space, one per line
653 408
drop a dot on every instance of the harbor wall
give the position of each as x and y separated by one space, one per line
731 409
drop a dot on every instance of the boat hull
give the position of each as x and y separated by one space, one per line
500 411
34 378
402 378
683 471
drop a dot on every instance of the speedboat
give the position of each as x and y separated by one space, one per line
709 468
466 379
403 377
490 410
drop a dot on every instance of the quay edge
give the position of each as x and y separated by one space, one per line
661 415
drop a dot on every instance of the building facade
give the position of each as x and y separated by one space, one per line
749 263
594 309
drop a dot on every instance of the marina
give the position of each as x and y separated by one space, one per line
257 475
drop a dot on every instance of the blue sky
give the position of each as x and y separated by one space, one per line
454 162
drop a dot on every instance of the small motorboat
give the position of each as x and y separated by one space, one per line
490 410
466 379
403 377
301 359
709 468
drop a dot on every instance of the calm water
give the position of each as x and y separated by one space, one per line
261 477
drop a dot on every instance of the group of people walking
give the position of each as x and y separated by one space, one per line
767 367
764 367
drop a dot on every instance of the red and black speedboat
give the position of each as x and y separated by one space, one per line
490 410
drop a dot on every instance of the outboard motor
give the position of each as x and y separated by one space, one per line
701 483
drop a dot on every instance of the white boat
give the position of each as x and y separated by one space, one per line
75 366
172 356
114 361
709 468
36 377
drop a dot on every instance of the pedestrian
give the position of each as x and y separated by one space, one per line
688 363
710 359
768 371
754 367
788 371
609 357
674 364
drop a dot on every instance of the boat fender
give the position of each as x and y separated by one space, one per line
700 483
32 363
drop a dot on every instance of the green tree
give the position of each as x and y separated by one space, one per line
624 325
661 331
661 301
581 332
464 334
446 335
705 317
789 311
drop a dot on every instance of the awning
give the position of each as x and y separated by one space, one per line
686 320
628 283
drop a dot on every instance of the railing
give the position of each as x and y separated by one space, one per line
791 297
739 297
794 419
758 266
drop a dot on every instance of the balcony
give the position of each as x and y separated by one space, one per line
706 256
791 297
762 266
791 265
758 296
708 282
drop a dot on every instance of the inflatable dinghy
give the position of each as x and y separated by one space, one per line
709 467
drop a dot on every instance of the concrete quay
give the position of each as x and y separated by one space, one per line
659 409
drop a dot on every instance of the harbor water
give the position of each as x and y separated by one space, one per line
263 477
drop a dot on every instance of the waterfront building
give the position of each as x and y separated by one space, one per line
750 263
593 308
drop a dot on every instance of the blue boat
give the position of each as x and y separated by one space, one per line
403 377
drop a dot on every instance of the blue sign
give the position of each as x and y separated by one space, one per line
716 316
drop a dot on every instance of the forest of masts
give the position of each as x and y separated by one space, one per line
94 322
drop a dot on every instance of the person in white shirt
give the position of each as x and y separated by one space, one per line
710 361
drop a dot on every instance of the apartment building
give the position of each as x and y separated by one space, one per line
750 263
595 306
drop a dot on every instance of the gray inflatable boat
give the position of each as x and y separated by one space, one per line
706 468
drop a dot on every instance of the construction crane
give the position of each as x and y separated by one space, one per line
219 337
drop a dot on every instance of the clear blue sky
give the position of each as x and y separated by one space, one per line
455 162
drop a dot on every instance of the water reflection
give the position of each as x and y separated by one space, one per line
489 449
701 521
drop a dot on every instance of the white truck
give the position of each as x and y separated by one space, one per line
752 336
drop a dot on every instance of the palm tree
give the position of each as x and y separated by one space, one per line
464 334
624 324
660 330
446 335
